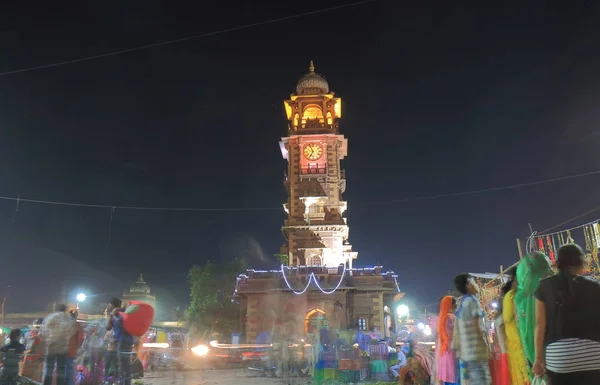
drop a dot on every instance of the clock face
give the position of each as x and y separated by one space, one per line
313 151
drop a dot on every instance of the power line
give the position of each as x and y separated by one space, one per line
509 187
114 207
430 197
545 232
207 34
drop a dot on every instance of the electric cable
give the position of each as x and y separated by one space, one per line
207 34
20 199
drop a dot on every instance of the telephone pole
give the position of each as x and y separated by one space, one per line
3 308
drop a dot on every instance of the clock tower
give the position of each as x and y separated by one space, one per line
315 230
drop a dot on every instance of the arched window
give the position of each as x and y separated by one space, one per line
315 320
312 113
329 119
313 260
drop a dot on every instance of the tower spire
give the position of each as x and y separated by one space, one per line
311 66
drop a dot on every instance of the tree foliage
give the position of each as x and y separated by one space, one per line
213 309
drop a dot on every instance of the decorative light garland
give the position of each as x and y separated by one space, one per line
313 278
290 287
336 287
397 286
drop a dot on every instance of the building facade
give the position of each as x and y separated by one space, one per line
317 284
315 229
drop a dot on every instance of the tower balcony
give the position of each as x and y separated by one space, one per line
315 216
313 170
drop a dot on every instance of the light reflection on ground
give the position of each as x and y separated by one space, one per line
215 377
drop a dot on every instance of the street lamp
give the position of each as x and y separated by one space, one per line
402 311
80 298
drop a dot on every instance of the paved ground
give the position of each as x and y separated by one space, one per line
215 377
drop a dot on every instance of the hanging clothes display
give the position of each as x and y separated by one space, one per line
551 250
540 242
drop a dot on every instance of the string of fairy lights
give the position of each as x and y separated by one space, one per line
312 279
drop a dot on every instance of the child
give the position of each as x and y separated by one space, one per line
470 344
12 353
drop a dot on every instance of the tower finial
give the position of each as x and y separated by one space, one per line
141 279
311 67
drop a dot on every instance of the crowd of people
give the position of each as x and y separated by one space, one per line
60 339
547 327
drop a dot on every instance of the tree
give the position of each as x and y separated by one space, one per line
283 258
212 307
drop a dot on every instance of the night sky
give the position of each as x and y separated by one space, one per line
437 99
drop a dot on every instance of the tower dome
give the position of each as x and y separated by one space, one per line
312 83
140 286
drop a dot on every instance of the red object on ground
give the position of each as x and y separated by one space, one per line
137 318
501 375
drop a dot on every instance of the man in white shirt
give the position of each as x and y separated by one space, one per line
472 347
395 369
56 333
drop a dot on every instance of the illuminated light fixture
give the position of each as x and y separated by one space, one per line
80 298
200 350
495 305
402 311
159 345
421 326
427 330
216 344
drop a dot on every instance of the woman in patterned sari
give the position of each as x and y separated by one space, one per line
517 364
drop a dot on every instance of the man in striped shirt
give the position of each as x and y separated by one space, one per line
471 343
567 330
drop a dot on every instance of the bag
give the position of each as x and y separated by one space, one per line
137 318
538 381
11 362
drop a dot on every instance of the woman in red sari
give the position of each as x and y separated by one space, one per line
446 364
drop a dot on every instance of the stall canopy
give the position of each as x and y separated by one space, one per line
490 276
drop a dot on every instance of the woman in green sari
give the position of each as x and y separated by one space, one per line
530 271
